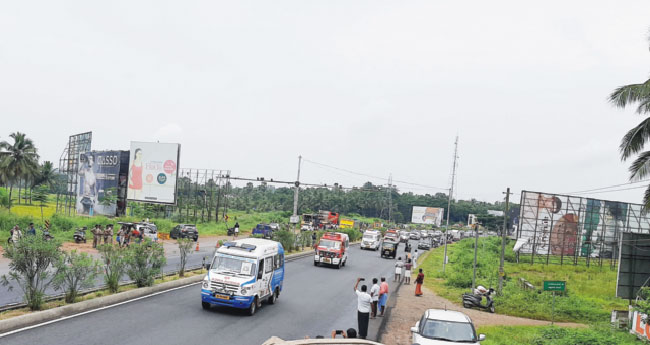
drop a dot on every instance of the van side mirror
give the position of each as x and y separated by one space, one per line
414 329
207 266
481 337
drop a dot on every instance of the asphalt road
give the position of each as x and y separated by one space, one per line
15 295
315 300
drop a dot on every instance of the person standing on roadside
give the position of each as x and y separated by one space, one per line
31 230
418 283
16 234
383 295
398 270
407 271
236 229
108 234
363 308
374 293
415 259
120 235
97 232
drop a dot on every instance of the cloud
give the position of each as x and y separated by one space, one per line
171 132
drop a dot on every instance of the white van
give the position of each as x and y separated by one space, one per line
243 273
371 240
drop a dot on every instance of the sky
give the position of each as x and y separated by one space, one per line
373 87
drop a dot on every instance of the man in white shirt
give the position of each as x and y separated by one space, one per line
374 293
363 308
415 259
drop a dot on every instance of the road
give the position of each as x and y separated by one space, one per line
315 300
173 263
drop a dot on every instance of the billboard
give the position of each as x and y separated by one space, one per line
98 188
427 215
634 265
554 224
153 170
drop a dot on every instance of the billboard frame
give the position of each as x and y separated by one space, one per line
69 165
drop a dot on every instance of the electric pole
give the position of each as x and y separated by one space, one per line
451 193
476 226
504 231
390 193
295 191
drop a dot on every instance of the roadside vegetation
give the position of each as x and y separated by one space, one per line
589 298
550 335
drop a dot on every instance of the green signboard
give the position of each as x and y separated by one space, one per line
554 285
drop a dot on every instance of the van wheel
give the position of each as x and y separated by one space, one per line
253 307
273 297
205 305
346 260
338 266
316 263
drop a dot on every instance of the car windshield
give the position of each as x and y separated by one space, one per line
233 264
330 244
461 332
370 237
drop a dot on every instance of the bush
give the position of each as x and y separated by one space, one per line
31 258
75 271
114 259
184 248
286 238
144 261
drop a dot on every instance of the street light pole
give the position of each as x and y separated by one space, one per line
504 231
295 192
475 252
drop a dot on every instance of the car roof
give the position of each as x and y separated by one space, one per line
447 315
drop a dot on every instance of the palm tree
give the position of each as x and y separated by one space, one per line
46 175
18 160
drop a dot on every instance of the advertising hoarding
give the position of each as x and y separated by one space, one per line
153 171
634 265
99 182
554 224
427 215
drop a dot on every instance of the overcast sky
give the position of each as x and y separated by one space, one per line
375 87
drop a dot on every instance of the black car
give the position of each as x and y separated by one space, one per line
185 231
424 245
389 249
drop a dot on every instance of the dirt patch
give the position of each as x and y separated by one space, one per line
80 247
409 310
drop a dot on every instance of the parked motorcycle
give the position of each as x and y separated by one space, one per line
47 236
474 301
80 235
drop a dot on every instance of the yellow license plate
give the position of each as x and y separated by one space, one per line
327 260
226 297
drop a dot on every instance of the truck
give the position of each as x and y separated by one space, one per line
332 249
347 223
243 273
323 220
371 239
392 235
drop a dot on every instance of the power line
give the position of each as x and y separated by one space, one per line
614 190
612 186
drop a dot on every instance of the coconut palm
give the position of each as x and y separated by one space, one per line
18 161
46 175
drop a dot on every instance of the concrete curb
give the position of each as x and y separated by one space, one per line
35 318
95 303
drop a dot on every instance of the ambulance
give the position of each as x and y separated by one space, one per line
243 274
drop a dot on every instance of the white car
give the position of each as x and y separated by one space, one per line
437 327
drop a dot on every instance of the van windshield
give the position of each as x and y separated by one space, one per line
369 237
330 244
231 264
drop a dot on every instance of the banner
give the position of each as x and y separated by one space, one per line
556 224
153 171
427 215
98 185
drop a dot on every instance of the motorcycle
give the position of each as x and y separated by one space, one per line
474 301
80 235
47 236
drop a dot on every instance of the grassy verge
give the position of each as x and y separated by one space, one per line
550 335
60 302
590 290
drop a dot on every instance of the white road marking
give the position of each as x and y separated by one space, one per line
94 310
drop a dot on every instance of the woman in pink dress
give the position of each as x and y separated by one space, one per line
135 176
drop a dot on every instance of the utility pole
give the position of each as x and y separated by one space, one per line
390 194
504 231
475 252
295 192
451 193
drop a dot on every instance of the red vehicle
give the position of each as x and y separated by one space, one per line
328 220
332 249
392 235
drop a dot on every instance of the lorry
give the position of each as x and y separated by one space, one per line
332 249
392 235
371 239
323 220
347 223
243 273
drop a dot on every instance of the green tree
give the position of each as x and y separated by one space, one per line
642 304
144 261
41 197
184 248
74 271
31 258
18 160
46 175
114 259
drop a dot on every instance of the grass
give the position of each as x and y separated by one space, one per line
551 335
590 290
